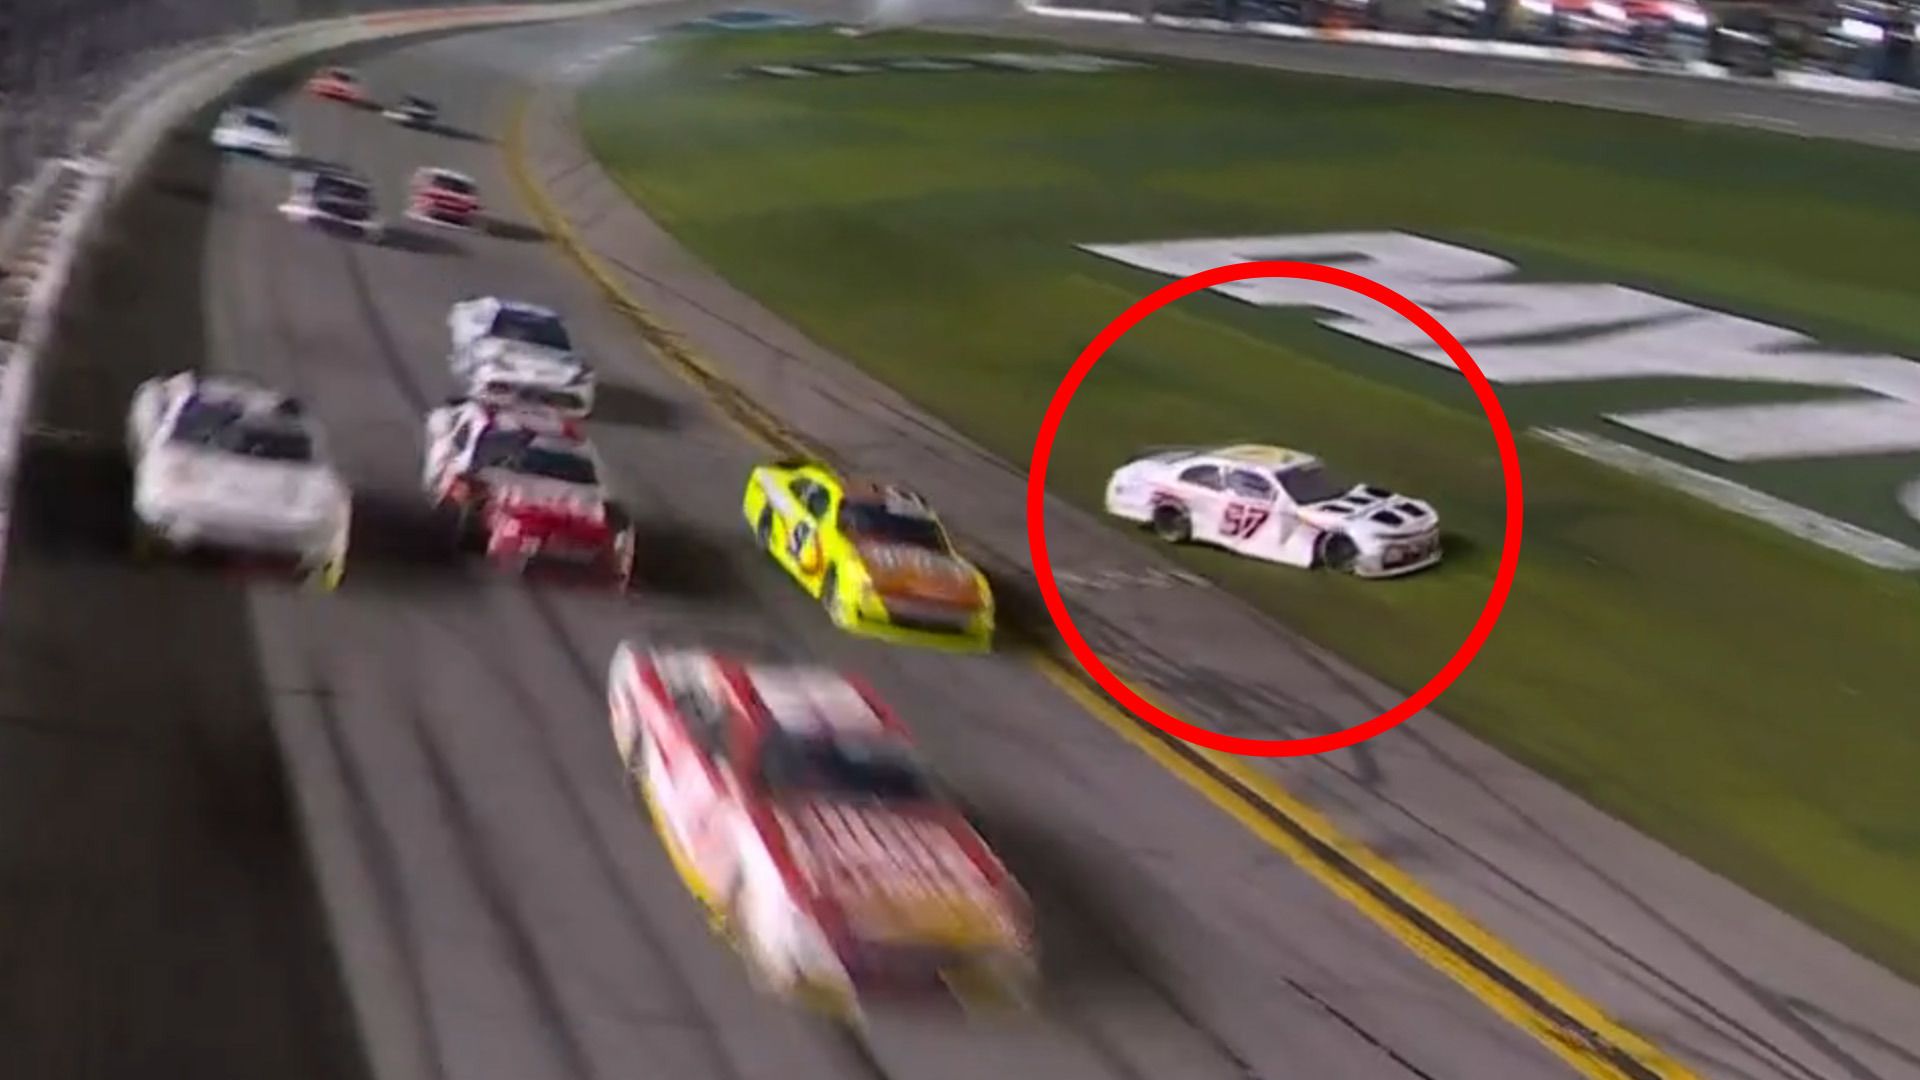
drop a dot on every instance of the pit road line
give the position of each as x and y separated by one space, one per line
1520 992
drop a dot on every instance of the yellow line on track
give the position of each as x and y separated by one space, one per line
1522 993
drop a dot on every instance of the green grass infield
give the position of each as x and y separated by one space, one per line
1740 694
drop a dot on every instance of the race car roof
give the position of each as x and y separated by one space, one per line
814 701
254 397
1264 456
543 422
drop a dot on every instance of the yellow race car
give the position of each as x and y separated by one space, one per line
874 554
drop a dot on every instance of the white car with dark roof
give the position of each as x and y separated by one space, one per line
1275 504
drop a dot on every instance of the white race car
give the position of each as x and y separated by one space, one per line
1275 504
247 130
511 352
334 198
225 464
797 810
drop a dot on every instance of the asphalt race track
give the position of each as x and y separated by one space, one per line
251 831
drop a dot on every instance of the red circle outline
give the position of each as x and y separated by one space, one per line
1509 545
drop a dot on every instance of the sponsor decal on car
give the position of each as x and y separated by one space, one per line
1072 63
1835 405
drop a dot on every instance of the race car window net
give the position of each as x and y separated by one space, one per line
1311 484
872 521
881 769
530 329
515 451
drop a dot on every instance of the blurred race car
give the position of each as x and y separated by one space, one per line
437 196
507 351
414 112
336 199
875 555
337 84
226 465
1275 504
525 487
795 807
250 130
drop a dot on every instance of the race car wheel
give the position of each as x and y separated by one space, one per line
830 596
1338 552
1172 523
763 531
326 577
147 545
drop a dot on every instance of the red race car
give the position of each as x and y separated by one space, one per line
524 485
437 196
798 810
337 84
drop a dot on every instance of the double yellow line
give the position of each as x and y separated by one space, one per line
1527 996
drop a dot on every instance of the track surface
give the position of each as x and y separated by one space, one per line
489 900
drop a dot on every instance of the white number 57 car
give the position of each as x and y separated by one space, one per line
1275 504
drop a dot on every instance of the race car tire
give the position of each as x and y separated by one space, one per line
1172 523
1336 551
326 577
830 596
763 530
147 545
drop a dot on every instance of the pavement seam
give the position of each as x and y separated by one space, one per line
1519 991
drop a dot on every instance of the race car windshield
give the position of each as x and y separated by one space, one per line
515 452
531 329
874 523
1311 484
262 122
859 768
225 428
346 198
455 184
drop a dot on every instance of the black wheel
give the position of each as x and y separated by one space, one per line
1171 523
764 530
830 594
1338 551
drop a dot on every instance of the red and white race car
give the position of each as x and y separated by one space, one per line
437 196
524 485
793 803
337 84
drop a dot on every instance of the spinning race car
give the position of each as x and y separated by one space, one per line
874 555
437 196
337 84
229 466
796 809
525 487
413 112
246 130
509 352
1275 504
334 199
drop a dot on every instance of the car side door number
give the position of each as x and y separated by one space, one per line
1241 520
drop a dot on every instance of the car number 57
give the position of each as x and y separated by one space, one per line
1240 521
